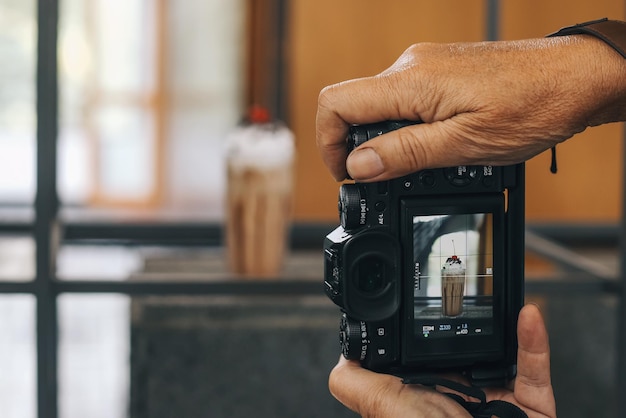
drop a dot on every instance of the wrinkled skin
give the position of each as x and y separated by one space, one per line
488 103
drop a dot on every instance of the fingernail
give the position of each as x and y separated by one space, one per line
364 164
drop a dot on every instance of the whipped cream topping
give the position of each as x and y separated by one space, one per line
262 146
453 265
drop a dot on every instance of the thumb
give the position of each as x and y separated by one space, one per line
533 387
404 151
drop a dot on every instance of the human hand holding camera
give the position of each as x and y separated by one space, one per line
493 103
379 395
480 104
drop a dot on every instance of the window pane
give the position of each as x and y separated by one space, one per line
17 100
18 398
205 73
126 152
76 66
124 32
107 79
92 262
17 258
149 90
93 356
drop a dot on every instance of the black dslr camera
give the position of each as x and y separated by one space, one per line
428 269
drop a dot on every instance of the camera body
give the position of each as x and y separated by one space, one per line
428 269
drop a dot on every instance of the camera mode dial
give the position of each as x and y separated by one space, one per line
353 338
352 209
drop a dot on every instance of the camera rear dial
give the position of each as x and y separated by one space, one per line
353 338
351 207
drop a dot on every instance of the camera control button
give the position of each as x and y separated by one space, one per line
380 206
407 183
353 338
461 175
427 178
352 207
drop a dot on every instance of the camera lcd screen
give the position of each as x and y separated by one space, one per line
454 301
453 258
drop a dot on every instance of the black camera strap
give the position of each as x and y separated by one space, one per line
611 32
553 161
479 409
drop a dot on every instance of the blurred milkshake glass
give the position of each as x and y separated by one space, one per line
260 157
452 286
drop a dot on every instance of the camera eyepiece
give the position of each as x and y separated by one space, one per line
371 275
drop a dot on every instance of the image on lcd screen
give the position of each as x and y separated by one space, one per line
453 262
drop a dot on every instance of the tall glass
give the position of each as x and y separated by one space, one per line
259 198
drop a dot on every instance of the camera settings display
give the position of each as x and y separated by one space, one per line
453 274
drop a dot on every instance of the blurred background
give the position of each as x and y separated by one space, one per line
148 90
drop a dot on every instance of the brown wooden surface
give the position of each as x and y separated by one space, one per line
261 53
588 187
330 41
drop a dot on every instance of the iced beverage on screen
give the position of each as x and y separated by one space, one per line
259 194
452 286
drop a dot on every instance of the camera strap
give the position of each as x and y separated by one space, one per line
611 32
477 409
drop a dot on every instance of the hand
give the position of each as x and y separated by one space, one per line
490 103
378 395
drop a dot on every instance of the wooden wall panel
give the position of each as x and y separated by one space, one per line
588 186
535 18
331 41
263 64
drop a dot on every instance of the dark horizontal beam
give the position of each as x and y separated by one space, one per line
260 287
281 287
247 287
302 235
86 224
579 234
16 219
560 287
17 287
144 233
